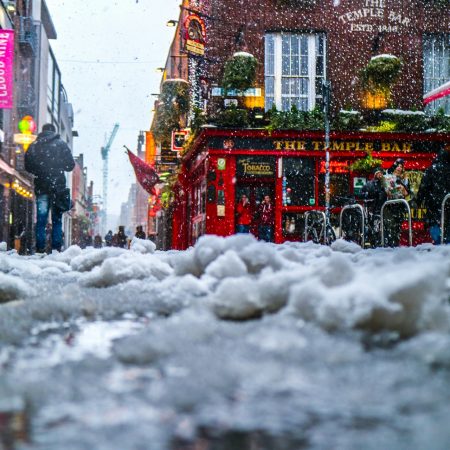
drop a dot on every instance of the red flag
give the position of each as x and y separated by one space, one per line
145 174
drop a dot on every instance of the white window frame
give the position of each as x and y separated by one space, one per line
436 80
278 70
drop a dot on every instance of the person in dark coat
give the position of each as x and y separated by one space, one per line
435 185
374 192
121 239
47 159
109 238
140 233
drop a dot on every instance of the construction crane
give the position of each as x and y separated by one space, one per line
105 157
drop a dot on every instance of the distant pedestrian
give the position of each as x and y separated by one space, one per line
98 242
266 218
121 239
47 159
435 185
243 215
109 238
140 233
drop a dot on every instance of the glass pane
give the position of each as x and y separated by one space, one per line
298 182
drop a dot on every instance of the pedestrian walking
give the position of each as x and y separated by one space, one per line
435 185
243 215
109 238
140 233
266 215
120 238
47 159
396 187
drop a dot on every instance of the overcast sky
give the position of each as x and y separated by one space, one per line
108 52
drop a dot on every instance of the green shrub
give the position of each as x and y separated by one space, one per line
440 121
406 120
348 120
381 73
240 72
233 117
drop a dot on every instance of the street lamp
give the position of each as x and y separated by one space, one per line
172 23
326 93
160 69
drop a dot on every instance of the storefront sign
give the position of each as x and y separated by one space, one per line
374 16
6 68
343 146
221 164
195 35
179 139
255 167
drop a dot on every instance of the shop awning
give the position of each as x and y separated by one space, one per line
435 94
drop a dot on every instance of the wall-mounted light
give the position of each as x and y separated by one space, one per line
172 23
160 69
11 6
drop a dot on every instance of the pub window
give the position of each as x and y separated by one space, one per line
298 182
339 188
294 70
436 65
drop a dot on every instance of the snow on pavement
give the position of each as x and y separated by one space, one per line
297 340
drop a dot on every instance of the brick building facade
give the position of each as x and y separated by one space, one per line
298 44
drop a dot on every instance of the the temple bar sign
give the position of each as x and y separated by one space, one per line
343 146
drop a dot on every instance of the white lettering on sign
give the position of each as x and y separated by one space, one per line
373 16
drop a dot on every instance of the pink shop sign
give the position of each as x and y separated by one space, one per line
6 68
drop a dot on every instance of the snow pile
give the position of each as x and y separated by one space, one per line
237 278
127 266
142 246
12 288
3 247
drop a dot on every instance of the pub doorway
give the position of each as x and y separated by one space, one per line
255 190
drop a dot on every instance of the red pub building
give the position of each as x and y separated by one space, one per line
298 45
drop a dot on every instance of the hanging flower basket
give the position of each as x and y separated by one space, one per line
173 104
381 73
240 72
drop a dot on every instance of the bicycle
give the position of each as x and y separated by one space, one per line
316 231
352 227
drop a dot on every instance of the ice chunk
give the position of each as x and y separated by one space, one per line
207 249
341 245
91 258
3 247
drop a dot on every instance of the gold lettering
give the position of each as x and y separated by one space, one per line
301 145
316 145
338 146
385 147
395 147
278 145
407 147
368 147
349 146
289 145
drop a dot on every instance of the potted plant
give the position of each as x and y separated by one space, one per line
366 164
240 72
378 77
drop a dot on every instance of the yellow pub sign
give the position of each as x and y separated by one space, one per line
342 146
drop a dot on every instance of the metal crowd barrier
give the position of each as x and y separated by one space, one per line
324 217
446 198
361 210
392 202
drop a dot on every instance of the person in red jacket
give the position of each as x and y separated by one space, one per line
266 219
244 215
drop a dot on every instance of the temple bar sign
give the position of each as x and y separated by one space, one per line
343 146
373 15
